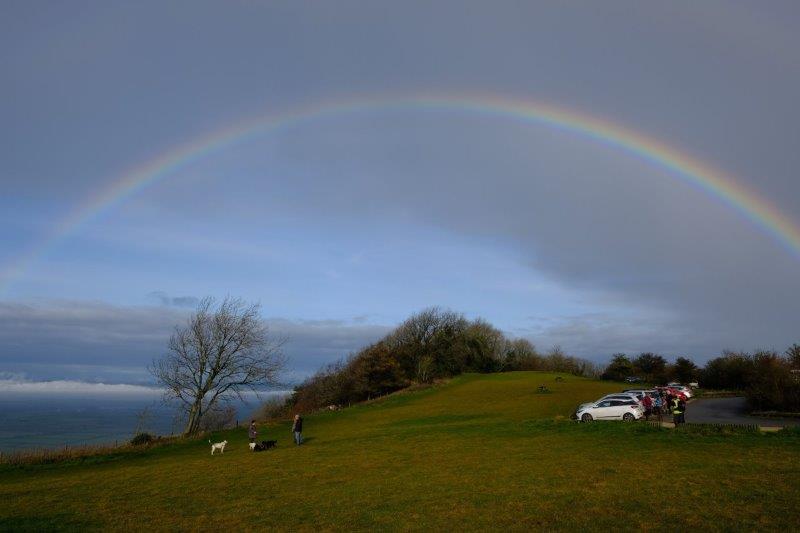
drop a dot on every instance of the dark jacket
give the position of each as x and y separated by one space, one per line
298 425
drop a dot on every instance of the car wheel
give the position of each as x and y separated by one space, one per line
628 417
586 417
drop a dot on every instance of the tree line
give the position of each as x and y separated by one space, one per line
769 380
430 345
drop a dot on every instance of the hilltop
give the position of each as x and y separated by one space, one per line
479 452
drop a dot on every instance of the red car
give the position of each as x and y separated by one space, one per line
673 392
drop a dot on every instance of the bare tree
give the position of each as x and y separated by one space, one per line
221 352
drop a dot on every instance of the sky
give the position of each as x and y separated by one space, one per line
344 223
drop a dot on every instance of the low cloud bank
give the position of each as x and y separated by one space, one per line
17 386
94 342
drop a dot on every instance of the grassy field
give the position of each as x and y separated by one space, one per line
481 452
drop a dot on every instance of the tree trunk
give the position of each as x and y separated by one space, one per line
193 424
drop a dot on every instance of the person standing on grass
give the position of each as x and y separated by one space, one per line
297 429
252 432
647 403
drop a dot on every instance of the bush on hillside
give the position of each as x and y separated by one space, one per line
772 386
521 354
219 417
431 345
141 439
272 409
764 377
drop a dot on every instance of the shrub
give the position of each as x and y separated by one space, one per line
142 438
219 417
272 409
772 386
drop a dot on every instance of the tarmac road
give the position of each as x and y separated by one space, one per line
729 411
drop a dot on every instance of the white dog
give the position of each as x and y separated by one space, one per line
252 446
218 446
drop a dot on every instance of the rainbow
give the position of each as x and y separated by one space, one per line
633 143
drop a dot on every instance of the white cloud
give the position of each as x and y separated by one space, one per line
21 386
15 384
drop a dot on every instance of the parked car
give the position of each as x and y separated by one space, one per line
674 392
633 379
627 410
687 391
641 392
620 396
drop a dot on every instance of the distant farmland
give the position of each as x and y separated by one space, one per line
481 452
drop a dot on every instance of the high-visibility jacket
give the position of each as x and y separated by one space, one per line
676 406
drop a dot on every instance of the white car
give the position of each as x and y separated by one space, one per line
641 392
627 410
624 396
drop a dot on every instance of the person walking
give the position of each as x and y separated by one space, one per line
297 429
252 433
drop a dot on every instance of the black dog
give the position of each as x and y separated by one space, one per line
265 445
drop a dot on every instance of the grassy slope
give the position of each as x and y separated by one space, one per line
481 452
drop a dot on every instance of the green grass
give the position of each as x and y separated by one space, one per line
481 452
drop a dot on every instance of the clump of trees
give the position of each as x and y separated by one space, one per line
651 368
770 381
430 345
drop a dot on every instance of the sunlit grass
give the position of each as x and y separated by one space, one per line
481 452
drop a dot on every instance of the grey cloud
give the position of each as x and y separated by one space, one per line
96 342
625 233
596 336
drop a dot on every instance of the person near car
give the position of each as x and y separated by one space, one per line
647 403
658 403
682 407
677 412
297 429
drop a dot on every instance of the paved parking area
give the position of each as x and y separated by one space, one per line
730 411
